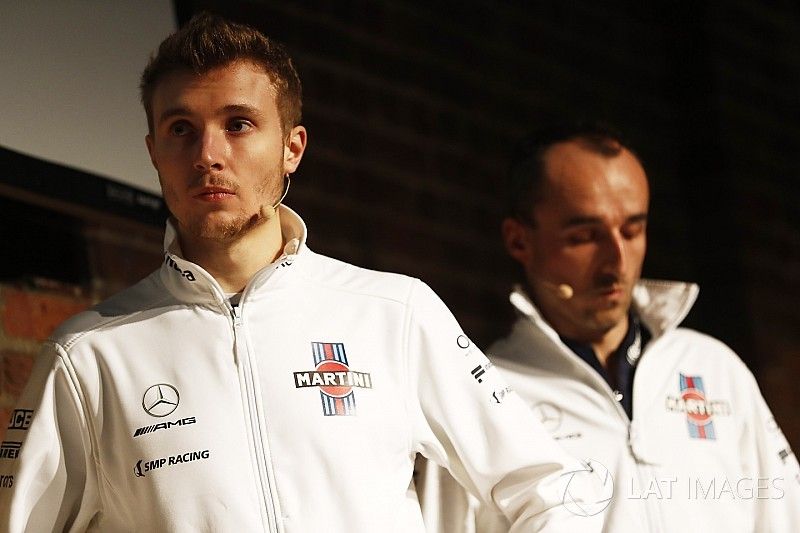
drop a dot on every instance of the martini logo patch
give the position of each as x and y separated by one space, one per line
333 377
700 411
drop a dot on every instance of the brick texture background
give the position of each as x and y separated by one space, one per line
413 109
117 255
29 315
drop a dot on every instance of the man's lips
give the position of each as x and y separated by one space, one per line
610 291
214 194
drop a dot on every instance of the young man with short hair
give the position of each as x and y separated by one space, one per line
251 384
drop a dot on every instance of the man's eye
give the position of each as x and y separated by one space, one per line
630 231
581 237
179 129
239 126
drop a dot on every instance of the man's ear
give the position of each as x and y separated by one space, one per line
148 141
293 149
516 237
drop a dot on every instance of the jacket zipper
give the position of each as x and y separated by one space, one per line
651 508
598 380
262 456
643 468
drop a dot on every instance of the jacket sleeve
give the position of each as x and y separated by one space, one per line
774 467
48 482
469 421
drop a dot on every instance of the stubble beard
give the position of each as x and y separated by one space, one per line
603 320
223 227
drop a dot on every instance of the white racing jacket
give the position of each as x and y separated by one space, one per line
702 453
301 409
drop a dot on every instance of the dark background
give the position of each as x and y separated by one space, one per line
414 107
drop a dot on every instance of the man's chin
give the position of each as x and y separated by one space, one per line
607 319
219 230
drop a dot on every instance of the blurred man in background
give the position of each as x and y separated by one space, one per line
672 415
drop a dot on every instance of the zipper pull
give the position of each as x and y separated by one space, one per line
236 313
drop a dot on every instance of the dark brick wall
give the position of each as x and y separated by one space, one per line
754 51
413 109
27 317
62 263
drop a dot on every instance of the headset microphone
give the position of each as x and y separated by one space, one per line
268 211
563 290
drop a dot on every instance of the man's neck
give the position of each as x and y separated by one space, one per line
232 263
604 342
607 344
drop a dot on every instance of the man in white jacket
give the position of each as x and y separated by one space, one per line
672 415
251 384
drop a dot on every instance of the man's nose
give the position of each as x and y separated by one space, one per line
614 249
210 152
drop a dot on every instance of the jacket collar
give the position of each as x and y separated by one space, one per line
661 305
190 283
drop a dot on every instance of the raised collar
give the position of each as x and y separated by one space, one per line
661 305
190 283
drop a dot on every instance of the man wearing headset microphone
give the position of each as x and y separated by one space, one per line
251 384
670 417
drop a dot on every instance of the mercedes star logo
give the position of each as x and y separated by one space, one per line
549 415
160 400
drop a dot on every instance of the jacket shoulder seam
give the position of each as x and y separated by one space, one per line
82 407
73 338
340 288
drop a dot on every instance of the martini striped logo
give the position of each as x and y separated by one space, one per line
334 378
698 413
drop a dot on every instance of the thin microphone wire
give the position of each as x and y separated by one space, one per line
285 191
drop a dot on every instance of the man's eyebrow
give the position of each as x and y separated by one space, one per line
172 112
581 221
589 220
243 109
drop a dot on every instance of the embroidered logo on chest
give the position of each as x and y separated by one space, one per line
699 410
334 378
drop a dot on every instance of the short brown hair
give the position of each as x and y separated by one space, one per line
209 41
